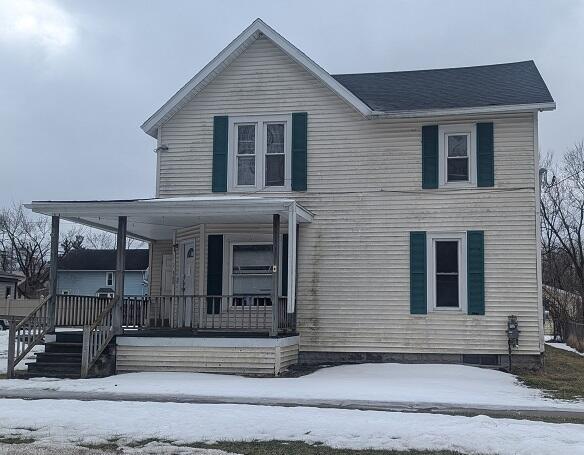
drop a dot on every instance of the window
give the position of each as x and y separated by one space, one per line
260 153
109 278
447 271
65 292
251 274
457 152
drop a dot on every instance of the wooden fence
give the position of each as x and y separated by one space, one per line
17 308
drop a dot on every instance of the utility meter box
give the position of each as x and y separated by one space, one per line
513 331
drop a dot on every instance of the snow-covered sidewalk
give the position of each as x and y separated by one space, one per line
66 422
446 385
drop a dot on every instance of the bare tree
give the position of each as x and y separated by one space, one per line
28 239
101 240
562 213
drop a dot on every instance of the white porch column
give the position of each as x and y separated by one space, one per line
275 274
120 271
292 257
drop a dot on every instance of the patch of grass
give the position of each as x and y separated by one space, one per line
143 442
104 447
302 448
561 377
15 440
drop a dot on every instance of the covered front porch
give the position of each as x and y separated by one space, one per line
220 266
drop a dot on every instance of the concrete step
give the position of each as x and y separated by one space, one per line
58 357
61 347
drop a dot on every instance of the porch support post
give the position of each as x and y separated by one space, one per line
275 274
52 303
291 301
120 269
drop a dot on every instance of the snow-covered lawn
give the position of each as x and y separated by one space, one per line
4 353
390 382
564 347
72 422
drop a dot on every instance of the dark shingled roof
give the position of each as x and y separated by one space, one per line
474 86
102 260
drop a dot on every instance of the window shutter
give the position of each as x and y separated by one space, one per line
284 265
220 132
476 272
214 272
430 156
418 297
485 155
299 150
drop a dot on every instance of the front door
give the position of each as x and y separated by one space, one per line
185 309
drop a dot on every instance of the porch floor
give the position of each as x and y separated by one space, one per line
190 333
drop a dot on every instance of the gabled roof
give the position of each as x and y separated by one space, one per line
230 53
480 89
102 260
507 84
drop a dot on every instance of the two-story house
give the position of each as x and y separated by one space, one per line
307 217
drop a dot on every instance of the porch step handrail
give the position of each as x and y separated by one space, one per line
97 336
25 335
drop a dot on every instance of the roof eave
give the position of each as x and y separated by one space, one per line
549 106
251 33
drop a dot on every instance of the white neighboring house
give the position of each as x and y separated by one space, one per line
334 218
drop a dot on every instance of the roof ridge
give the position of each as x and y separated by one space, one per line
427 70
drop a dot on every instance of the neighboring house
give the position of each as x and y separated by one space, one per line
353 218
93 272
9 285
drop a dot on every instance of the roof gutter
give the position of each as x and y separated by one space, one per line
464 111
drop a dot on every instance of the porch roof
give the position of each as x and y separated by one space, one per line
158 218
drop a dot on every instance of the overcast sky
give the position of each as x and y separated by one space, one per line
77 78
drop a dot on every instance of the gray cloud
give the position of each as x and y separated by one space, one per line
71 102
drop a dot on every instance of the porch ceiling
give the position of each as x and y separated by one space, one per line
157 219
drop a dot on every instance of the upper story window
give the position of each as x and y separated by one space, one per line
457 155
259 157
109 278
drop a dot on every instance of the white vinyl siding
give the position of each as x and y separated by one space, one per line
364 188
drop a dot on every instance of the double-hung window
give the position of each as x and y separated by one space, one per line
251 274
109 278
457 155
260 149
447 271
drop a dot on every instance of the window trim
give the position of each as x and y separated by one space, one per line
460 237
470 130
107 281
261 138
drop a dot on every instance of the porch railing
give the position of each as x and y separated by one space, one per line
202 312
96 337
79 310
25 335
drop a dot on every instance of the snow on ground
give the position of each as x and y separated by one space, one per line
66 422
389 382
4 353
565 347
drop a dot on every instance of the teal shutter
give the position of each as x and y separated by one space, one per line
220 133
430 156
214 273
418 303
299 150
475 241
485 155
284 265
